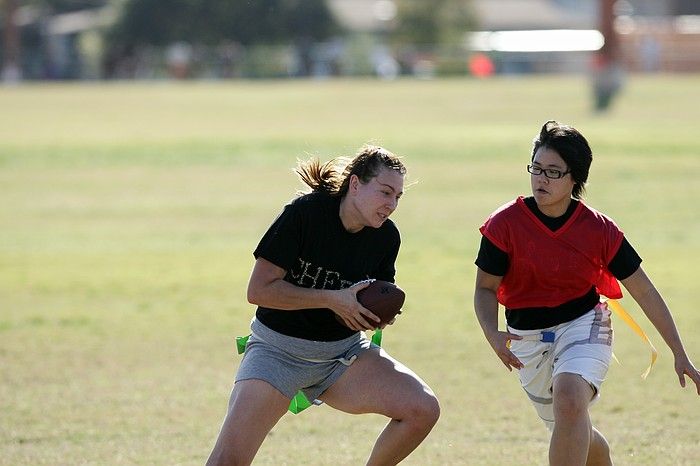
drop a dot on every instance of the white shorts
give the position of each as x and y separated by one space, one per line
582 346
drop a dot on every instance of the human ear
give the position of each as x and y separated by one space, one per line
354 183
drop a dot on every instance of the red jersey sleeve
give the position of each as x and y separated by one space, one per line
497 229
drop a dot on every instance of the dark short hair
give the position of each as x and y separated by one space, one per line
572 147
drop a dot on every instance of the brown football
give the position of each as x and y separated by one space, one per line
383 298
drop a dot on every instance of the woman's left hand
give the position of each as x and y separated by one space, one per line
684 367
350 311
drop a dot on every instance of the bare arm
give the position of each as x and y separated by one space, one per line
486 307
267 288
649 299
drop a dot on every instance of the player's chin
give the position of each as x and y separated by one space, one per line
379 220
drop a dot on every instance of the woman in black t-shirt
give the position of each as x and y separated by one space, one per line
307 333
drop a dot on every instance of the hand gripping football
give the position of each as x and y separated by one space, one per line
383 298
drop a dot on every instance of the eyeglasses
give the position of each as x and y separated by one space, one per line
548 172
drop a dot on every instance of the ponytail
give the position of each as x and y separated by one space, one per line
333 177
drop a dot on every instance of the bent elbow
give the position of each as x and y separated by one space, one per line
253 295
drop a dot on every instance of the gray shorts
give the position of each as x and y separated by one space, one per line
291 364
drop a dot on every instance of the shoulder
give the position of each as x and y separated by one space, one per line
598 217
507 207
312 202
497 227
311 199
504 213
390 229
595 223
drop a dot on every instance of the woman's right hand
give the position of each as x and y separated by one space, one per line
500 342
350 311
486 307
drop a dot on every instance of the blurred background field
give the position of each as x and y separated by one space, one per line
130 211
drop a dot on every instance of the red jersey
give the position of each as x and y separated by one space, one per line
548 268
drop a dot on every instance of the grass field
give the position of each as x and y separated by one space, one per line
128 214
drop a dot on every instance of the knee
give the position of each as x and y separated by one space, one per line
571 396
424 411
431 410
569 406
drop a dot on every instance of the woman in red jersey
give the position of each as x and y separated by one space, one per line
547 259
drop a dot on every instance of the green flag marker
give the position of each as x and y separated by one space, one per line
241 342
377 337
299 403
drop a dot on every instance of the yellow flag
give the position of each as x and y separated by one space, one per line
624 315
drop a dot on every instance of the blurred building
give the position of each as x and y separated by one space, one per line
536 36
659 35
60 46
653 35
559 36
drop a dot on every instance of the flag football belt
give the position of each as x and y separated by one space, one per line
545 337
616 307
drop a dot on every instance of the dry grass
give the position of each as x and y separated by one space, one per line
129 215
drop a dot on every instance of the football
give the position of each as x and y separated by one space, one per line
383 298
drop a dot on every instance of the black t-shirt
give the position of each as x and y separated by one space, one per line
494 261
308 240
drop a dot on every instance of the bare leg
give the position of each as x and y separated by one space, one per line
377 383
254 409
571 438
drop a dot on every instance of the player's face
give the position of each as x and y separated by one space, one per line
377 199
552 195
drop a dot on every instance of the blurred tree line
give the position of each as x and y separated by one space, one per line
155 22
236 24
433 22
